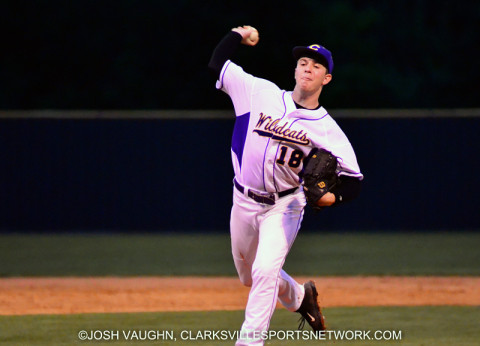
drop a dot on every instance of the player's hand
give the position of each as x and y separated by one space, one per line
249 34
327 200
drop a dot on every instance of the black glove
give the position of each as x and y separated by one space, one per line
319 175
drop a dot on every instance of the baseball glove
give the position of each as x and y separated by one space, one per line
319 175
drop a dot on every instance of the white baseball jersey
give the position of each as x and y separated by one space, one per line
272 137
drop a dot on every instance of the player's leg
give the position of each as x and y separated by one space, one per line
244 236
277 232
290 292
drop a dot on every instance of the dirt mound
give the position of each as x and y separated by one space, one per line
20 296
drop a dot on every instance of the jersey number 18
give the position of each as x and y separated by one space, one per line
295 158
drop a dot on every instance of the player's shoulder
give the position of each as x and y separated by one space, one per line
331 122
264 85
260 83
319 114
321 120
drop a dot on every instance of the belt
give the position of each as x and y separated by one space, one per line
265 199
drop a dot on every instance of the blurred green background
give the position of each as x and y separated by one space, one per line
315 254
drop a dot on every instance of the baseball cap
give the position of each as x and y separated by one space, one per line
317 52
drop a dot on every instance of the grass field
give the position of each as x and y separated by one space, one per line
314 254
209 255
415 325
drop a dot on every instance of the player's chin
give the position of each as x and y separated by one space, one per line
307 87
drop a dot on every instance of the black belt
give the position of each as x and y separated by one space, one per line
265 199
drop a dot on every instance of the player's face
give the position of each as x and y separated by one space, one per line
310 75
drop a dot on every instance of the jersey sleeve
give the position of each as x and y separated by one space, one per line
347 160
347 163
237 84
336 141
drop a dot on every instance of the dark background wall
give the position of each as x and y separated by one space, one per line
68 174
90 174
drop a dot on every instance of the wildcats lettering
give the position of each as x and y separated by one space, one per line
267 127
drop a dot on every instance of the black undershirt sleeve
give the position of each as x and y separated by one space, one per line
224 51
347 189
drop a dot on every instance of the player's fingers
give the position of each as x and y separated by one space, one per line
247 29
240 30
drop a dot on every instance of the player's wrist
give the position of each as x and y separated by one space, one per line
236 33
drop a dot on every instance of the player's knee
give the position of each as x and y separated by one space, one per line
244 271
264 270
246 280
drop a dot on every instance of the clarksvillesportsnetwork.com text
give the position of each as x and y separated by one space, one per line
222 335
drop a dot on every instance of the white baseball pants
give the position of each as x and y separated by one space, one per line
261 237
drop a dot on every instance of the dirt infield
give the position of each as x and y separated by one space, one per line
20 296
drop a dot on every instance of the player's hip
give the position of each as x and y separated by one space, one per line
293 198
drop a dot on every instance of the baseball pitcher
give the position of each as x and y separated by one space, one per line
287 151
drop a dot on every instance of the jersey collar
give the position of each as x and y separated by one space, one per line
304 112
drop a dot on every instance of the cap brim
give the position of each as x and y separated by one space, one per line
300 52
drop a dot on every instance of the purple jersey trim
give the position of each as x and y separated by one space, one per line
275 162
310 119
275 167
263 167
223 75
240 135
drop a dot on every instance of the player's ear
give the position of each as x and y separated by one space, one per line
327 79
